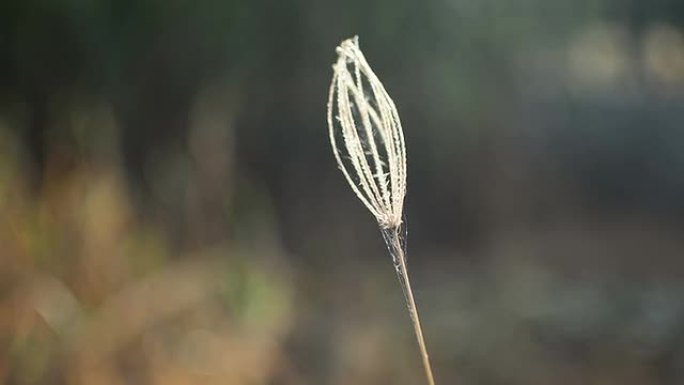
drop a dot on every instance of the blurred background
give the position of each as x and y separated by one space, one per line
171 213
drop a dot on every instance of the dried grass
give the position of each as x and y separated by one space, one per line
368 143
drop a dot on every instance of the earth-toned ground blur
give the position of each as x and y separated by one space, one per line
171 212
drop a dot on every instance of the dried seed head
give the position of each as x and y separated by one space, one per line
366 135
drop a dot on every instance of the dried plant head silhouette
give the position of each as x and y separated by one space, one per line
368 144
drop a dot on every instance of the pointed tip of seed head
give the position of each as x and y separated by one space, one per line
348 43
354 39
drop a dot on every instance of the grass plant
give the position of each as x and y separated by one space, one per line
368 143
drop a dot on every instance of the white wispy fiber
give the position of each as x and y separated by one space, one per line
372 153
368 143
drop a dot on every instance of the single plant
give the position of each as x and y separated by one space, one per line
368 144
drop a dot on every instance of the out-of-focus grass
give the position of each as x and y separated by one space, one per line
155 158
96 291
92 294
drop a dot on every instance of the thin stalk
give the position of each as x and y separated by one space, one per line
359 117
393 239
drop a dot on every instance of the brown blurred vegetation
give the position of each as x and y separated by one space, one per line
94 294
170 212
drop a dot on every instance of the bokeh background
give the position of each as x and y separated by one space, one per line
171 213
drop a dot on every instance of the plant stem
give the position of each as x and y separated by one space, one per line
402 272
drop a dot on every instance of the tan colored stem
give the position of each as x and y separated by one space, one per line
413 309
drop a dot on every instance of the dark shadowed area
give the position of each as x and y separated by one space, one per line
171 211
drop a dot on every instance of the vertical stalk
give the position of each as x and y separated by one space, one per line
399 257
